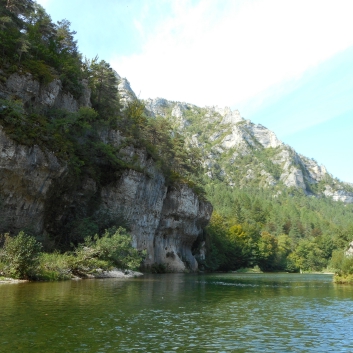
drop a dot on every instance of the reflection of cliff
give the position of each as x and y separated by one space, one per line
38 195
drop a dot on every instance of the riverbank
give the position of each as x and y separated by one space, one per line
114 273
12 280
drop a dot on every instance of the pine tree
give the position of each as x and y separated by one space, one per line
238 213
104 84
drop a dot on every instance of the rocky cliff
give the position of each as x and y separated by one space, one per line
37 193
241 153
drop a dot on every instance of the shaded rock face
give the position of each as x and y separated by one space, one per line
183 218
36 192
26 175
32 93
164 221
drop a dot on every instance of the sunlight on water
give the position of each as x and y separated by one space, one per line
179 313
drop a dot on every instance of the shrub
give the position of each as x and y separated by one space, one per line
113 249
53 267
40 70
20 255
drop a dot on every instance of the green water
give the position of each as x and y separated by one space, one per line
179 313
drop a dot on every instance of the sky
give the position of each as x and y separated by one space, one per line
284 64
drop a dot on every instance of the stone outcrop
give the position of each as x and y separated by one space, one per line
339 195
225 138
125 92
32 93
165 221
36 193
26 176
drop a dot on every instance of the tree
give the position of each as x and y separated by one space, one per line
65 38
238 212
23 47
257 212
268 247
104 84
20 255
18 7
308 256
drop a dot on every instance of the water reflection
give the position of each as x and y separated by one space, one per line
185 313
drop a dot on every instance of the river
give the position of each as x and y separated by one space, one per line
179 313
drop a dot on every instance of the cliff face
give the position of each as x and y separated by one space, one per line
241 153
27 173
35 194
32 93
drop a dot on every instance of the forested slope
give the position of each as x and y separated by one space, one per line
273 207
78 158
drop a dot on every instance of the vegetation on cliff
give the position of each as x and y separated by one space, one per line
277 229
258 220
32 44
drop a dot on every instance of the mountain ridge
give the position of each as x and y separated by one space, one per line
227 137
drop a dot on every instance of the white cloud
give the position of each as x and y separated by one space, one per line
226 52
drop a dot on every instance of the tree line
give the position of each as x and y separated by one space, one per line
287 232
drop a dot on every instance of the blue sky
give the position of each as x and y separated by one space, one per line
284 64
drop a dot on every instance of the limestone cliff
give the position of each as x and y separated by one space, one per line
32 93
241 153
36 193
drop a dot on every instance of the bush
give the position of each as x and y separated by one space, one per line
53 267
115 248
20 256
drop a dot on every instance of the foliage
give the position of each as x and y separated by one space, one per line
224 252
30 41
73 137
20 256
113 249
343 266
103 82
54 267
285 233
158 268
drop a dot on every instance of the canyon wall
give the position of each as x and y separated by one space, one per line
36 193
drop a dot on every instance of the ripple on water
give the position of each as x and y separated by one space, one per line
198 314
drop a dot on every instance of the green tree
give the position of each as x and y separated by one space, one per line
308 256
104 84
268 247
20 255
238 212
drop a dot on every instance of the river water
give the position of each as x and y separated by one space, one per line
179 313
